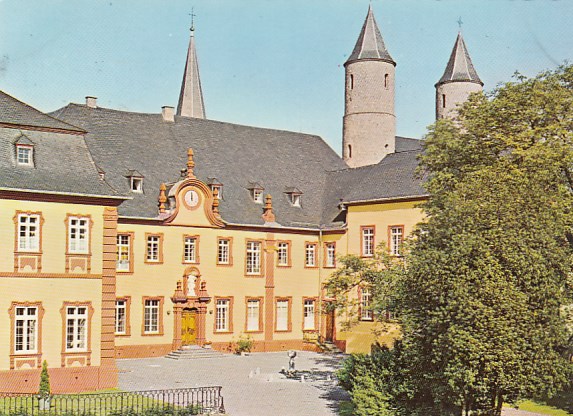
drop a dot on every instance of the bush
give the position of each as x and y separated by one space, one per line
44 389
244 344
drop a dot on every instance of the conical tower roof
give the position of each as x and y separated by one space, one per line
460 67
191 95
370 44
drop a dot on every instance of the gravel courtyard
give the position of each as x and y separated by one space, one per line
252 385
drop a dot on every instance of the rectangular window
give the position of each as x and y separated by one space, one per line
190 250
78 235
258 196
368 241
310 255
308 322
123 253
136 184
76 328
396 238
222 316
283 254
253 257
24 155
121 317
282 314
253 315
330 255
151 316
365 303
153 252
223 251
28 232
26 330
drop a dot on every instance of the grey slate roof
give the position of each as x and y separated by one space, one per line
61 160
460 67
393 177
370 44
236 155
13 111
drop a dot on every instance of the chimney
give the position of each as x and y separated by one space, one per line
91 102
168 113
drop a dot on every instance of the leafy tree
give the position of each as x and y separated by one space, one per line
481 301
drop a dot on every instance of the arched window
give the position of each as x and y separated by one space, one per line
349 150
443 100
386 80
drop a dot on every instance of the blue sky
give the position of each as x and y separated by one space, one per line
268 63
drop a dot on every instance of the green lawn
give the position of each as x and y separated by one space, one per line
544 409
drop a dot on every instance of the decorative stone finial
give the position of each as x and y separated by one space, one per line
162 198
216 202
268 214
190 164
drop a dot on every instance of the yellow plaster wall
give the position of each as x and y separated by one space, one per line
53 233
52 293
161 279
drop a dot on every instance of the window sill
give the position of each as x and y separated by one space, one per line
152 262
224 264
222 332
283 331
159 334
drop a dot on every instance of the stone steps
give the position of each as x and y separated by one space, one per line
195 352
329 348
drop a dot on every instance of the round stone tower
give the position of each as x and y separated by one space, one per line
369 125
460 79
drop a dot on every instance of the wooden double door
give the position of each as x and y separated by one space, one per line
189 327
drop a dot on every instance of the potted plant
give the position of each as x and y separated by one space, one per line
244 345
44 397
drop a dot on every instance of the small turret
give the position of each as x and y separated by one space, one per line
369 126
460 79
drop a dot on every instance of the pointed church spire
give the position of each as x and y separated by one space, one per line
191 95
370 44
460 67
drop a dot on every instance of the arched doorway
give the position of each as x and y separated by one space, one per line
189 326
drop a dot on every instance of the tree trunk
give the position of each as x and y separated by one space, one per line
499 403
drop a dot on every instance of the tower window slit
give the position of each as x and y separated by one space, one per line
349 150
385 80
351 81
443 100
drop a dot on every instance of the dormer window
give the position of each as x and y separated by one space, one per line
24 155
215 184
257 191
24 151
135 181
294 196
258 196
136 184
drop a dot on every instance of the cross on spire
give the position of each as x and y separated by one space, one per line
192 19
460 23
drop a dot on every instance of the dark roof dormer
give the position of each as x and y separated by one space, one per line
24 151
135 181
294 195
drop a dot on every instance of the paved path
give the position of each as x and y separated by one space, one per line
266 392
246 391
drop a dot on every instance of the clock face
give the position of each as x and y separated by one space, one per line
191 198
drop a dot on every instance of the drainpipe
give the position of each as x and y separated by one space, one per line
320 260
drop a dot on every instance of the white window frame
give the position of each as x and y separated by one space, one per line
190 250
219 188
78 235
396 239
77 330
26 330
368 241
222 315
253 258
258 196
123 252
366 314
120 317
310 255
29 232
253 315
136 184
151 316
223 251
152 248
282 254
295 200
27 153
309 322
282 314
330 255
